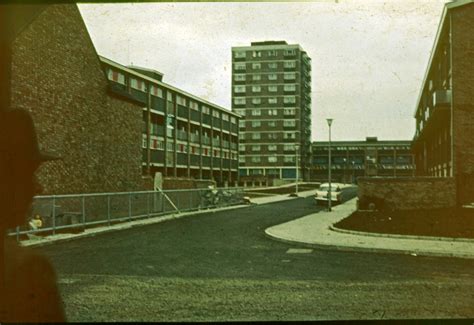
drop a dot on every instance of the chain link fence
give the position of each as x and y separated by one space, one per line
73 213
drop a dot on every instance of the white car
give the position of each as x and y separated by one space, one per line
339 192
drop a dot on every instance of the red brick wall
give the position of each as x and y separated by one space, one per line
463 100
58 78
411 192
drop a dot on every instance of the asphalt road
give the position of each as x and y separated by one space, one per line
221 266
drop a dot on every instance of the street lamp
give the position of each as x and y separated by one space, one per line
345 160
296 162
329 120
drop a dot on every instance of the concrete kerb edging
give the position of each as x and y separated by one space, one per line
373 234
341 248
121 226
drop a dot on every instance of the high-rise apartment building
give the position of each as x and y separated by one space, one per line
271 90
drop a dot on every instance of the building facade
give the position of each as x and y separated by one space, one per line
353 159
183 135
271 91
443 142
57 77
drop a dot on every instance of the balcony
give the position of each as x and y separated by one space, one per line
182 135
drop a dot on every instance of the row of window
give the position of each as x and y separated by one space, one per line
270 159
270 136
270 147
184 148
270 88
258 54
269 65
138 84
269 112
265 100
269 76
271 124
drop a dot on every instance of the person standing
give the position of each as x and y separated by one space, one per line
28 289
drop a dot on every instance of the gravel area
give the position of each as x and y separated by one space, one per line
453 223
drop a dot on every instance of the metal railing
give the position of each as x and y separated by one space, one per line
73 212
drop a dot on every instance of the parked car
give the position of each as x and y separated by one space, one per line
339 192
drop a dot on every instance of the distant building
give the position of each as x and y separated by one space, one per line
444 139
353 159
183 135
271 90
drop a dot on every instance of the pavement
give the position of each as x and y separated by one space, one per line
314 230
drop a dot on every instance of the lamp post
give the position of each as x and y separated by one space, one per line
344 170
353 173
329 120
296 163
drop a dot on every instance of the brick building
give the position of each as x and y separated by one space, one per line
444 143
187 136
57 76
271 90
353 159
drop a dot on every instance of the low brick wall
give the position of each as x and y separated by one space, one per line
407 193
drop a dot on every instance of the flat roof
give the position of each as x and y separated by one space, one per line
161 83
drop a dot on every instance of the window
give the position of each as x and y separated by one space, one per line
256 77
256 159
256 66
272 159
239 77
255 136
239 89
289 147
206 110
239 66
225 117
180 100
272 53
272 112
271 124
289 111
256 89
256 124
256 112
272 65
290 135
239 54
272 136
289 52
272 89
288 159
169 96
241 159
116 76
289 99
289 76
289 87
233 120
272 100
241 147
238 101
241 124
193 105
289 123
256 148
256 54
289 64
137 84
256 101
241 112
216 114
155 91
272 76
272 147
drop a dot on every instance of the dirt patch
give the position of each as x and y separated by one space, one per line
454 223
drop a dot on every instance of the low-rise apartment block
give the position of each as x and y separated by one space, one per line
353 159
183 135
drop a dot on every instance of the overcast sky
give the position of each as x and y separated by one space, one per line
368 57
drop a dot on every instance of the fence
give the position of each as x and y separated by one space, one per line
72 213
